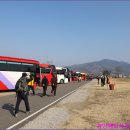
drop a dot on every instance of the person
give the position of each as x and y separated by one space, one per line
31 85
79 78
98 78
44 85
54 85
22 93
102 81
108 80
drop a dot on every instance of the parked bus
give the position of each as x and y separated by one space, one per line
11 70
45 69
76 76
63 75
73 75
83 76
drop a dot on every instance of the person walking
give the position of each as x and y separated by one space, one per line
108 81
102 81
79 78
54 85
31 85
44 85
21 89
98 78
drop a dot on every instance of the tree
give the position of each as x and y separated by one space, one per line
106 72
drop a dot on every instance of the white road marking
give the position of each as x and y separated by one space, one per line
41 110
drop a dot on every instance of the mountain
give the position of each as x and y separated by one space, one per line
97 67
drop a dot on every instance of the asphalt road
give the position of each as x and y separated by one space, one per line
7 104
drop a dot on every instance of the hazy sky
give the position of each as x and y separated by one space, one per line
65 33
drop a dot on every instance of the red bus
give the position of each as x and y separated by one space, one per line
11 70
45 69
75 75
83 76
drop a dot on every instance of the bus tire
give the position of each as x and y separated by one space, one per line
61 81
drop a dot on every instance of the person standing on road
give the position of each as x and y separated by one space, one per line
54 85
44 85
21 89
79 78
31 85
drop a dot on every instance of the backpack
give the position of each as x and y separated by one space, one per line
21 85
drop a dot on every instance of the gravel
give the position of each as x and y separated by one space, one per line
57 115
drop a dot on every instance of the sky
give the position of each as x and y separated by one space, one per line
65 33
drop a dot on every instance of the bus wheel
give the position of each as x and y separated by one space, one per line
61 81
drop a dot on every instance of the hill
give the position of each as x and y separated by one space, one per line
97 67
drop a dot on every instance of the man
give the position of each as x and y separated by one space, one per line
98 78
44 85
21 89
54 85
31 85
102 81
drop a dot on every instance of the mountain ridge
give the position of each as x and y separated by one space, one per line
97 67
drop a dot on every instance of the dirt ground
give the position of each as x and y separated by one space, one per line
103 106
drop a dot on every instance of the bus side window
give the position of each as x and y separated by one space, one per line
3 65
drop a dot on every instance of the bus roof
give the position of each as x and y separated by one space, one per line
61 67
83 73
45 65
14 59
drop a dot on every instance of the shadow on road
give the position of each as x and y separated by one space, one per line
9 107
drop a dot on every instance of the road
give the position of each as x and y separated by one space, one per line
7 104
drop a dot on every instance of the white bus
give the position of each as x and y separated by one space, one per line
11 70
63 75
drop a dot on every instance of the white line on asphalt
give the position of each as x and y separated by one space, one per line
41 110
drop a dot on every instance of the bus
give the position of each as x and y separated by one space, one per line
72 75
11 70
83 76
76 76
63 75
45 69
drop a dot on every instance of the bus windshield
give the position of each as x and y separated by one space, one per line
46 70
60 72
77 74
64 70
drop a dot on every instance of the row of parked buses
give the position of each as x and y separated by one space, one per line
78 76
12 68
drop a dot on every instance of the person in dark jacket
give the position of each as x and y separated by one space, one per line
44 85
54 85
22 94
102 81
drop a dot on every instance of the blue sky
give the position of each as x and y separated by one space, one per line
67 32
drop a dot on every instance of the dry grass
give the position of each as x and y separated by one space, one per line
103 106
